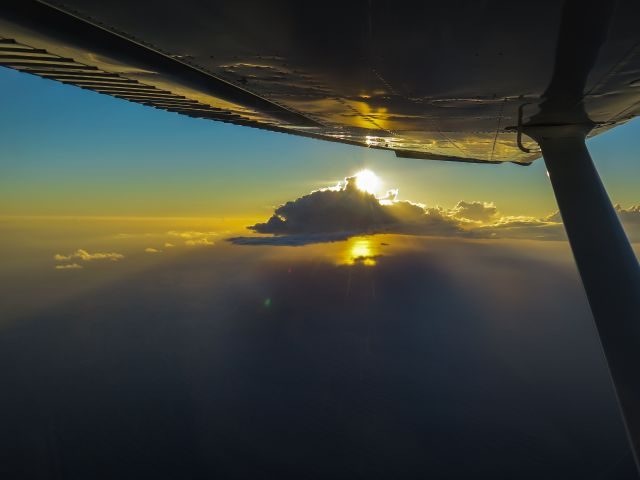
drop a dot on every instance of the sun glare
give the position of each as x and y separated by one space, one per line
367 181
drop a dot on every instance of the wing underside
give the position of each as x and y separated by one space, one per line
430 85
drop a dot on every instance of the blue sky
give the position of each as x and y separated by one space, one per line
67 151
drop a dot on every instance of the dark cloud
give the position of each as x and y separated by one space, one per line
338 209
345 208
343 211
475 211
294 240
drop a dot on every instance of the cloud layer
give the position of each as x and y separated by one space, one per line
79 258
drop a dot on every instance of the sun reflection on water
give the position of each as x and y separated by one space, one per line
362 251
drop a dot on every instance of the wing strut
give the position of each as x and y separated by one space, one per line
607 264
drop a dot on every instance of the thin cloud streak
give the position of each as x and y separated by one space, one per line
69 266
84 255
193 238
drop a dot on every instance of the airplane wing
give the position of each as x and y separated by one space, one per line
443 81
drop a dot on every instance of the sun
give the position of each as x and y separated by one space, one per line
367 181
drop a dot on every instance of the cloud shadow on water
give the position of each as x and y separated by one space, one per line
294 240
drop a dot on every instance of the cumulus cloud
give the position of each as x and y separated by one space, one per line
342 211
152 250
551 228
69 266
629 216
348 209
168 245
475 211
84 255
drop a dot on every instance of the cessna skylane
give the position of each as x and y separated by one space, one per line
462 81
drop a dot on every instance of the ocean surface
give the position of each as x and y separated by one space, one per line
377 357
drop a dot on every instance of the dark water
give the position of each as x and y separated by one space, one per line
231 365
